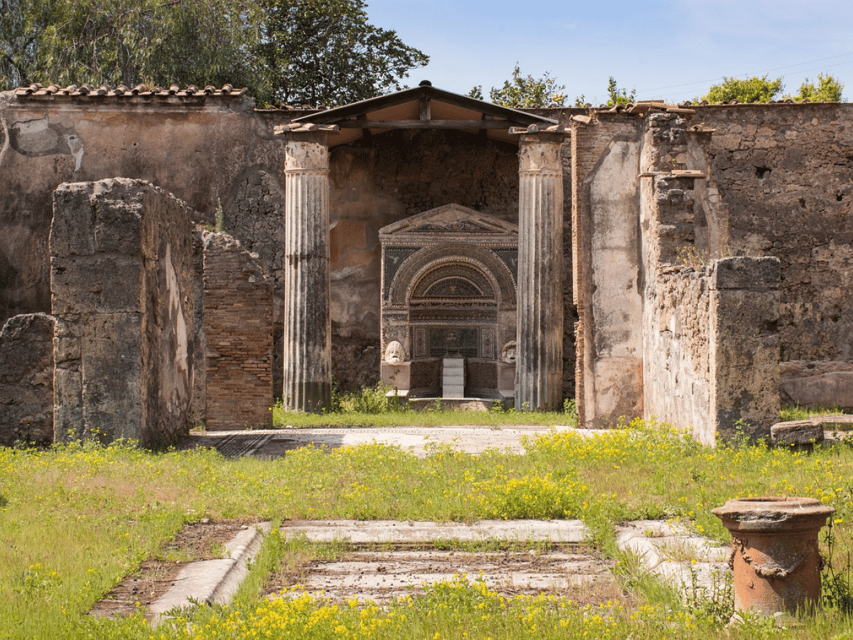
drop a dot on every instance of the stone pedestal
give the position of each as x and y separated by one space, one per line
539 363
307 323
775 557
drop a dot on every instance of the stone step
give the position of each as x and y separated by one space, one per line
453 391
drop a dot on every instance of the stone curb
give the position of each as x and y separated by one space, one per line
211 581
403 532
654 542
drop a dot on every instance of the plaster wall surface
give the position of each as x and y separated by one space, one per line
607 269
197 148
677 331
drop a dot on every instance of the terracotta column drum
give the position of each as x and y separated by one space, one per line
539 356
307 323
775 558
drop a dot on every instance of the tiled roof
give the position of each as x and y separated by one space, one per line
38 90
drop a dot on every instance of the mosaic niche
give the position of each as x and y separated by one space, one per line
448 286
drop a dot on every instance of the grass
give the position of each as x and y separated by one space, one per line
75 519
439 418
796 412
372 407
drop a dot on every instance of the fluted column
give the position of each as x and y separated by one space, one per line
539 355
307 323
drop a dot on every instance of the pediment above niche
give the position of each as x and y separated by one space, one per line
448 222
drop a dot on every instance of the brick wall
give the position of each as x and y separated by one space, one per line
238 327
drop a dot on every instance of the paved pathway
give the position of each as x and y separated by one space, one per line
276 442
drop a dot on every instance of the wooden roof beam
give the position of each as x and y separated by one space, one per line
427 124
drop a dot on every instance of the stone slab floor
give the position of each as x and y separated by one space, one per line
389 559
385 560
276 442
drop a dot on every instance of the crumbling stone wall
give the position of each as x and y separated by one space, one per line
677 382
744 340
238 329
710 357
786 175
122 285
26 380
711 348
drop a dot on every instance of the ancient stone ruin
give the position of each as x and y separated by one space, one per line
689 263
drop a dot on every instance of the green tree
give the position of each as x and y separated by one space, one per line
615 95
21 25
307 51
476 93
828 89
753 89
526 91
326 52
128 42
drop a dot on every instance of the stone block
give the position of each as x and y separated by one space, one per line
753 274
796 432
818 384
124 307
506 377
397 375
745 341
72 232
67 403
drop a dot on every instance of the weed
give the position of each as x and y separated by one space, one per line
716 603
113 506
796 412
220 218
690 256
835 580
570 408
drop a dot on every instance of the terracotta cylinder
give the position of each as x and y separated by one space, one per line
775 558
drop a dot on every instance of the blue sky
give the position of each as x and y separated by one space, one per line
670 49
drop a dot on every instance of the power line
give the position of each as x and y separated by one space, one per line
718 79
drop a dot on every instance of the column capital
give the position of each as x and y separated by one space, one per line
539 152
306 151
